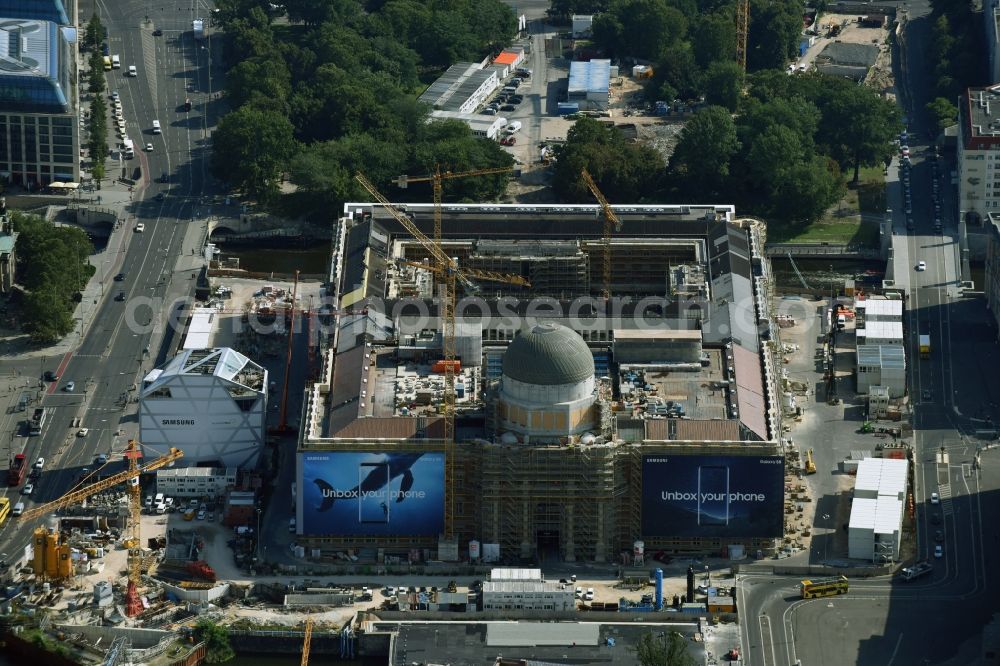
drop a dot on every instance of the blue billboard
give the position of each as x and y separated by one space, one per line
712 496
355 493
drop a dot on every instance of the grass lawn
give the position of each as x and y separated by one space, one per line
842 224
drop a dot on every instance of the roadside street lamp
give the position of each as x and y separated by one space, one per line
257 553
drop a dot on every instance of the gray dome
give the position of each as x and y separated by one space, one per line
548 355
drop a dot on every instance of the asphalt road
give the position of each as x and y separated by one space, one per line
124 340
937 619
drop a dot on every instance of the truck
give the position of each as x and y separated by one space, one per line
916 571
925 346
18 468
37 421
198 28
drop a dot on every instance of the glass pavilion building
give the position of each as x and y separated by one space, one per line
39 107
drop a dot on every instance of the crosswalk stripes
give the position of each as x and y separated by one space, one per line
944 492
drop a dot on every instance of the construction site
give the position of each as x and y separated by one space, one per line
540 424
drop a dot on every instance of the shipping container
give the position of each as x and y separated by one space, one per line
566 108
442 365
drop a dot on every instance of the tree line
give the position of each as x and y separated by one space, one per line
97 125
957 57
52 267
784 155
335 93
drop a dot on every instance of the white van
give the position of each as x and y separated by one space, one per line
116 63
129 147
156 127
515 126
19 508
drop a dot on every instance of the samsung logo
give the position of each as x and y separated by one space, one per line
189 422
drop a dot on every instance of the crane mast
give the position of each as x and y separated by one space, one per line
449 273
437 179
133 605
611 222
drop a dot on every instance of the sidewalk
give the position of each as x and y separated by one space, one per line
115 196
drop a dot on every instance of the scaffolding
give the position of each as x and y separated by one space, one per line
550 501
557 269
642 268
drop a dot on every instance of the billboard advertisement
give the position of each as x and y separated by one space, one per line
712 496
358 493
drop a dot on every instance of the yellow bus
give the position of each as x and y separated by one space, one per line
823 587
4 509
107 63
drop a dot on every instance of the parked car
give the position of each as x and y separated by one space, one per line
201 514
507 107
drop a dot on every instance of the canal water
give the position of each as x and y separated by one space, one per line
312 260
822 275
819 274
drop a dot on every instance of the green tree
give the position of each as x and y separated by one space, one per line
216 638
46 315
250 147
52 266
723 84
775 29
713 38
95 79
806 190
663 649
699 166
859 126
639 28
944 113
94 34
676 71
264 77
625 172
97 142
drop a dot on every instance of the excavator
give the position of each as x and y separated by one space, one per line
810 465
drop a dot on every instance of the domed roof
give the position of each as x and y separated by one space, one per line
548 355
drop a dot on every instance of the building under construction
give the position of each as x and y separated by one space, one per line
583 426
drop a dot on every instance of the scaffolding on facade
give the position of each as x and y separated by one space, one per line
550 500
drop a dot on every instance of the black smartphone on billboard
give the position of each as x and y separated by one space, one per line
373 504
713 495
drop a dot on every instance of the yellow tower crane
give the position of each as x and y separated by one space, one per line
52 559
446 268
610 221
437 181
742 32
306 641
